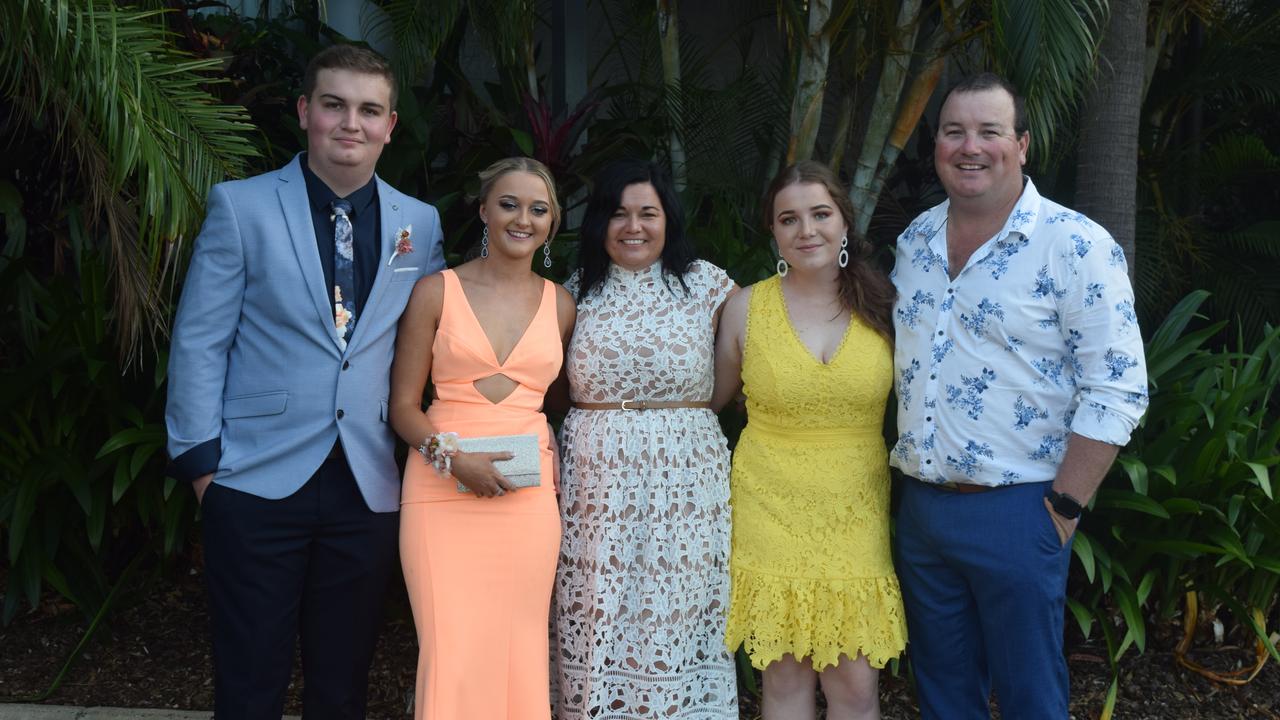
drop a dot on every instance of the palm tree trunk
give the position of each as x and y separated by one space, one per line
893 76
913 105
811 83
669 34
840 141
1108 151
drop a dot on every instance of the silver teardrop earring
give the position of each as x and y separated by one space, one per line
782 267
844 251
484 242
546 253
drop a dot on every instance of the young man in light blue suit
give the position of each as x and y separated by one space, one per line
277 411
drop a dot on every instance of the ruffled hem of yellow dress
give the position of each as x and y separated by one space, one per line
816 618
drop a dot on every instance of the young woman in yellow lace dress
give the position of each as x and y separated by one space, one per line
814 596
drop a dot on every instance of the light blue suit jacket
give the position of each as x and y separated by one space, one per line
255 361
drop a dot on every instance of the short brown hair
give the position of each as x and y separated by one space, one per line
353 58
991 81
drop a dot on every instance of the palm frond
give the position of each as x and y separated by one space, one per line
1237 68
131 108
1260 239
1048 49
1236 159
417 29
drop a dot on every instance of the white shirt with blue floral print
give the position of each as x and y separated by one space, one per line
1035 339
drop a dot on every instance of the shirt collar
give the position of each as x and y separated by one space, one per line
1021 220
321 197
1024 215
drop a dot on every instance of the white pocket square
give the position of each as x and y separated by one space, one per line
406 269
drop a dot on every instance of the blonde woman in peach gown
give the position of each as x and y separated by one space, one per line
479 565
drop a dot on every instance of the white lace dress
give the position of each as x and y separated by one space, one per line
642 590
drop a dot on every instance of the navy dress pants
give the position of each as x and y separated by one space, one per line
984 579
312 565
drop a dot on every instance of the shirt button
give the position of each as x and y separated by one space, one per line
933 377
928 418
340 413
939 333
928 462
346 364
951 291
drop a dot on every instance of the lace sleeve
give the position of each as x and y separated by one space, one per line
572 284
714 283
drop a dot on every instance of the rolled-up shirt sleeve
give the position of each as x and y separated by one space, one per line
1101 329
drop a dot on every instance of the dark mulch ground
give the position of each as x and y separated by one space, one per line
154 653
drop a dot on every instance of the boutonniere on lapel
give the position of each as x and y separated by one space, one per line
404 245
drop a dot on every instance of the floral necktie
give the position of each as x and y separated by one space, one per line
344 275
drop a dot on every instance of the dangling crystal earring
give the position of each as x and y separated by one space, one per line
546 253
484 242
844 250
782 267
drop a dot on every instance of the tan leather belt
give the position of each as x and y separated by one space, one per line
644 405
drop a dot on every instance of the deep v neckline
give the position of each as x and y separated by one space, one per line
791 327
479 325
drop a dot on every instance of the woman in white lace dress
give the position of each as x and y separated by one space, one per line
642 589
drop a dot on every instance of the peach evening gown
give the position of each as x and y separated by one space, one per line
480 570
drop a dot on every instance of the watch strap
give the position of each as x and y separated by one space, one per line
1063 504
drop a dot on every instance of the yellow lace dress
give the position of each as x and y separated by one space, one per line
811 566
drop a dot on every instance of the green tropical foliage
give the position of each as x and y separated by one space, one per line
147 141
81 450
119 127
1210 171
1192 507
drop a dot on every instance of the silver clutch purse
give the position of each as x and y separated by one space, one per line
524 469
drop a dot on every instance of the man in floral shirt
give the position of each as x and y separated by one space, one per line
1020 373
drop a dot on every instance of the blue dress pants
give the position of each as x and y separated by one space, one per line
984 580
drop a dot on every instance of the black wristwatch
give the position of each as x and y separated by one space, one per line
1063 504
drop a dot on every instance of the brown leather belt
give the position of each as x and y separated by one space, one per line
962 488
644 405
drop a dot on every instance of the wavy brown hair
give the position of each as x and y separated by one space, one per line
864 289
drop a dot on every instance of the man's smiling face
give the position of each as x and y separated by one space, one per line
348 120
978 154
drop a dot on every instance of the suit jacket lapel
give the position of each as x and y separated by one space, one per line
296 207
392 218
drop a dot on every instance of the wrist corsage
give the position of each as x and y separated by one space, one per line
438 451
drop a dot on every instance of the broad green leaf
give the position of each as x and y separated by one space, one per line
1233 509
1130 608
1128 500
23 511
122 481
1270 564
1228 540
1181 506
1167 473
1263 477
1184 548
1083 616
1137 472
131 436
141 455
1144 588
523 140
1082 548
